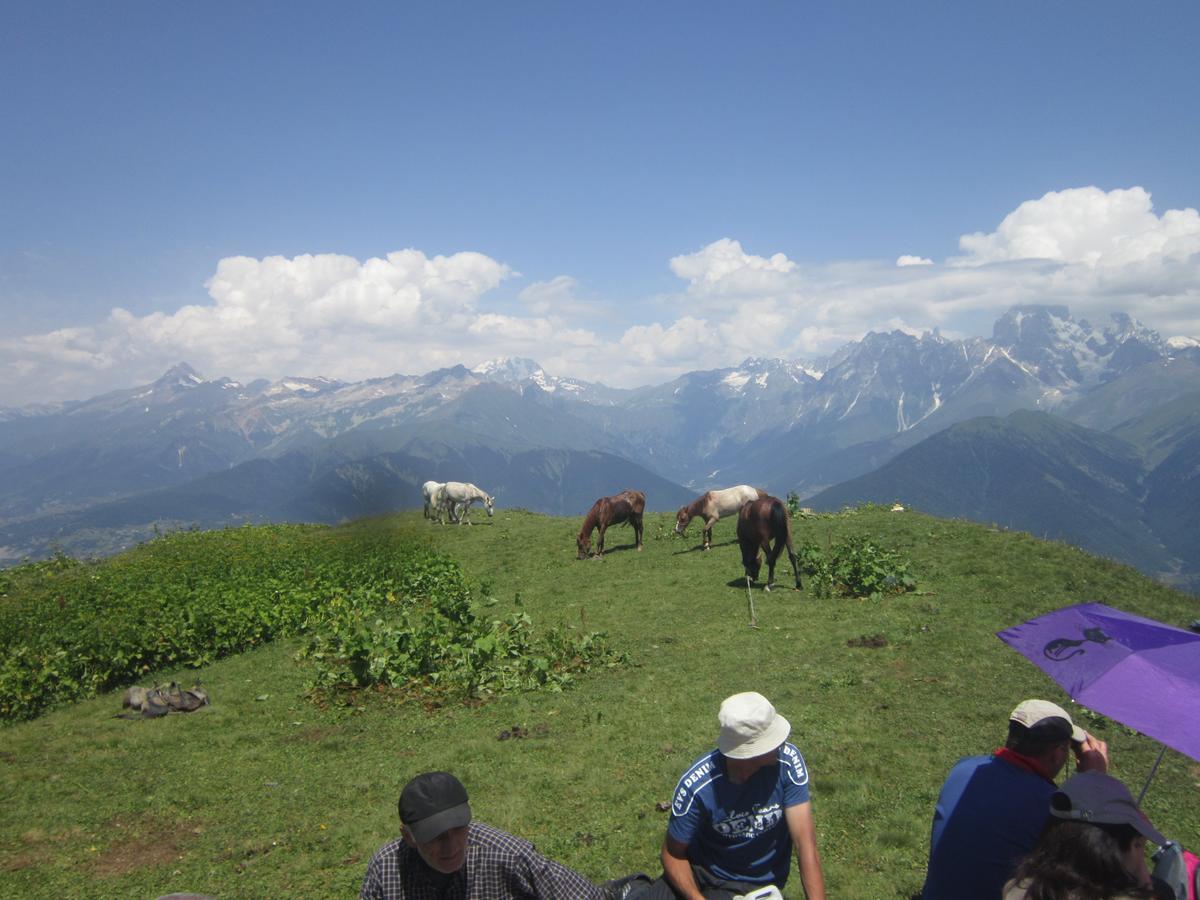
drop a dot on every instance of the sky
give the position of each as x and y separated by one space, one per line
621 191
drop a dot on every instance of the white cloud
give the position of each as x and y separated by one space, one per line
557 295
724 268
1087 225
1094 251
313 314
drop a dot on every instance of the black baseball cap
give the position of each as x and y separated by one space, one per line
433 803
1100 799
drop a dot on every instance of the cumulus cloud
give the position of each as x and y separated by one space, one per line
1090 226
723 267
1094 251
312 314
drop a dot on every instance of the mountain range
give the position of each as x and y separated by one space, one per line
1107 414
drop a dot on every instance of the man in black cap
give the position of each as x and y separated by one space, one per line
443 855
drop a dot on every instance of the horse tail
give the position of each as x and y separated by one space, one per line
781 531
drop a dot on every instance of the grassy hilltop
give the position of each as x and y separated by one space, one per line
267 794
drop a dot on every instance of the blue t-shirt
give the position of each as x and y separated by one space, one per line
988 815
737 831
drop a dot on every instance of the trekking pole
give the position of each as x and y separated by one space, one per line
1150 777
750 600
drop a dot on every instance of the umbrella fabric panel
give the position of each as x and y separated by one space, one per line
1137 633
1169 712
1139 672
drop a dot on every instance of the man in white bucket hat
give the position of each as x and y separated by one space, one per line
739 810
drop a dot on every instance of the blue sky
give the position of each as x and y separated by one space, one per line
621 191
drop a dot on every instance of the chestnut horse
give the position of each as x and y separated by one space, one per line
626 506
760 522
713 506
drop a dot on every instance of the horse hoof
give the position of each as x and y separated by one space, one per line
767 588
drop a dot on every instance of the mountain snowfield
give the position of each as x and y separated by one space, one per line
788 425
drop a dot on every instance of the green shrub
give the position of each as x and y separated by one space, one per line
430 636
379 611
855 567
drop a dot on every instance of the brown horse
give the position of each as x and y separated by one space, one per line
713 506
626 506
760 522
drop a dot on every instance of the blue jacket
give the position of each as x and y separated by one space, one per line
989 814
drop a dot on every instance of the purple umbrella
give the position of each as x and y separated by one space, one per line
1139 672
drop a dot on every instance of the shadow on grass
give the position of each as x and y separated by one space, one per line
761 586
619 548
699 548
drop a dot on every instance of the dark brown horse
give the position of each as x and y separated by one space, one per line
759 523
626 506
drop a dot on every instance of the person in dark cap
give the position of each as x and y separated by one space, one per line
442 854
1093 846
991 809
738 813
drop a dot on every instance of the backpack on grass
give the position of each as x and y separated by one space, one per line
157 701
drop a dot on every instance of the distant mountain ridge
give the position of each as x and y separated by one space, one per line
780 424
1128 495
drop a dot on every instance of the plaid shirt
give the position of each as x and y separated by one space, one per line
499 866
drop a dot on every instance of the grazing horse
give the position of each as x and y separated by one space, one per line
626 506
430 491
759 523
713 506
457 497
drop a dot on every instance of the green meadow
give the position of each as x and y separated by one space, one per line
274 791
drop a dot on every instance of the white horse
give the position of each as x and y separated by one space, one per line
430 490
457 497
715 505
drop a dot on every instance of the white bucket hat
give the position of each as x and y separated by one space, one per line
750 726
1049 718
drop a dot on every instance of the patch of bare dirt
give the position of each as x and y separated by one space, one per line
21 861
873 641
141 843
317 734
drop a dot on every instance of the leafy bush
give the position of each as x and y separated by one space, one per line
393 612
430 636
855 567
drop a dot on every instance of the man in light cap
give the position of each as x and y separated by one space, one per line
992 808
739 810
443 855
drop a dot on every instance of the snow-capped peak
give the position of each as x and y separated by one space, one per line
301 385
181 375
510 368
1182 342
